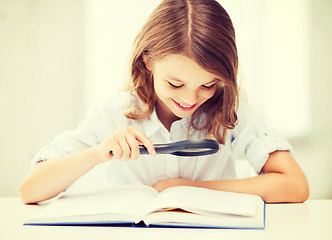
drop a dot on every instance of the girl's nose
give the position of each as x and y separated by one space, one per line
191 98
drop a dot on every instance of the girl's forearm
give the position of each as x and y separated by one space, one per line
48 178
272 187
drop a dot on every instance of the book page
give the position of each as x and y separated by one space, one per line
127 200
206 200
217 220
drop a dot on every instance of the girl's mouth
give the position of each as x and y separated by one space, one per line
184 107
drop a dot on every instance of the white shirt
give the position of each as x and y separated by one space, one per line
250 139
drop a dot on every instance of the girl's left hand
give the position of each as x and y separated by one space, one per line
172 182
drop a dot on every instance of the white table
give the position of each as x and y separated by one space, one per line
309 220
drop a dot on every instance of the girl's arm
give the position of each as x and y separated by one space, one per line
48 178
283 181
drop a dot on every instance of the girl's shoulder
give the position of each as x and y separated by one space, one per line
246 117
243 110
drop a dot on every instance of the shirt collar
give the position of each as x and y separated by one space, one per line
154 124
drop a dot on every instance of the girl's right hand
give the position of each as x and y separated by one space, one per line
124 145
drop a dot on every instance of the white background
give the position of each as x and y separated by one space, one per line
58 58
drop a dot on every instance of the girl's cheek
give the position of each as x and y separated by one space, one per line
208 94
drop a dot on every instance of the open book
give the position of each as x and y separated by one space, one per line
138 205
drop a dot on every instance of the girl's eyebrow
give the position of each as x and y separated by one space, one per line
215 80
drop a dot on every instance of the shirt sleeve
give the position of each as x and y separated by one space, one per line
100 123
254 140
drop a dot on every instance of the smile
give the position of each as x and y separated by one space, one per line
184 107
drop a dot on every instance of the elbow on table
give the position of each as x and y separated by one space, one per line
292 190
25 194
298 190
302 191
29 195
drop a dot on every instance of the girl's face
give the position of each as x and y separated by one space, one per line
181 86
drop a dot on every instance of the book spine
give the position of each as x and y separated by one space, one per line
141 224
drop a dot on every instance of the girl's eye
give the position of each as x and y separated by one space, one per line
208 87
175 86
179 86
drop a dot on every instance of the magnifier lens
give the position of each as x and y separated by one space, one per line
196 150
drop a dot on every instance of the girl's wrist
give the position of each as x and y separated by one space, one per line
99 154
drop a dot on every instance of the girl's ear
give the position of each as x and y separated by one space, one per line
147 62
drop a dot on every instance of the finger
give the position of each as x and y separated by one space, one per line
134 147
148 144
125 149
144 140
157 187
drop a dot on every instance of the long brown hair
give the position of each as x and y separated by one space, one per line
203 31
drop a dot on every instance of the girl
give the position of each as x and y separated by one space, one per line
184 86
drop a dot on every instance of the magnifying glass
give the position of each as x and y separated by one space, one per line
186 148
